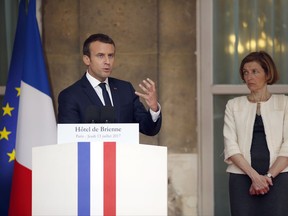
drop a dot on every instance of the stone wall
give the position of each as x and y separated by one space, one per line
154 38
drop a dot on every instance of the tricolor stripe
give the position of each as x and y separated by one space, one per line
97 179
106 167
125 179
22 185
109 178
36 124
83 178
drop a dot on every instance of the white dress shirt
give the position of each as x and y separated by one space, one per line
95 84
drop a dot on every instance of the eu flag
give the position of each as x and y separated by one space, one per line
9 112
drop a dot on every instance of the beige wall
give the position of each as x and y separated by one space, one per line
154 38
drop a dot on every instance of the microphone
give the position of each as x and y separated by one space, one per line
95 114
92 114
107 114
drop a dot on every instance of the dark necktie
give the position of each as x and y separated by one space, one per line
105 94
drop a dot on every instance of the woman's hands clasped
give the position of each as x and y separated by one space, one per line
260 185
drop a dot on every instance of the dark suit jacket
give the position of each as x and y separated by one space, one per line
74 101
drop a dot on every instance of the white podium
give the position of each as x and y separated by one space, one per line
99 178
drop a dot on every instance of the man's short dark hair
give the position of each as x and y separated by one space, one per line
96 37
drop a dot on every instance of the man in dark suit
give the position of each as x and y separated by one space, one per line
87 97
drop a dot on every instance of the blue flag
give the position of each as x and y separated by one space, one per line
9 112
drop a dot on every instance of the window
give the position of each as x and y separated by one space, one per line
243 26
8 22
240 27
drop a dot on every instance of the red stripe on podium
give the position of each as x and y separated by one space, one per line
109 178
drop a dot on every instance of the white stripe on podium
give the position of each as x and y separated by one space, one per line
96 179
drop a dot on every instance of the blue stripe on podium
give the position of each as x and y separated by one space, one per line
83 178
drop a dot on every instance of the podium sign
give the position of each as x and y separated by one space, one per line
99 178
120 133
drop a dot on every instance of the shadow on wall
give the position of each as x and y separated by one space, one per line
174 201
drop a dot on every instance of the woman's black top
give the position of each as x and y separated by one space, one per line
260 155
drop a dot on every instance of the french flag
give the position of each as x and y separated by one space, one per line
100 178
36 124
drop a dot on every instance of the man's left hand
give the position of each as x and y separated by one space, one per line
149 94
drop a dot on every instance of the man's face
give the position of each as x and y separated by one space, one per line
100 62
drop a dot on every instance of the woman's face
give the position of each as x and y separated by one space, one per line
254 76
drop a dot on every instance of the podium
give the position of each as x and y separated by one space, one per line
99 178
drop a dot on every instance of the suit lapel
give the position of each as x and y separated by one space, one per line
114 92
115 97
90 91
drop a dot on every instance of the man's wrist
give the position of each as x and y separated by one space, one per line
157 109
